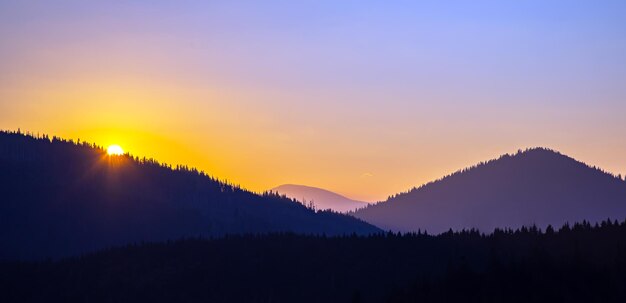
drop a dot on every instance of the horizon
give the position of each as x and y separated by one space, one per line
105 150
363 99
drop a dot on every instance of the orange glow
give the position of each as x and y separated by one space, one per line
261 136
231 139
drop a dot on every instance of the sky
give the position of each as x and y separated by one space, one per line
365 98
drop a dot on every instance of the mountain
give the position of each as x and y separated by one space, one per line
538 186
321 198
60 198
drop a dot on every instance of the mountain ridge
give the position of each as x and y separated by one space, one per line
527 150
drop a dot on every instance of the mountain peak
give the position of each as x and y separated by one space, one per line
543 151
535 186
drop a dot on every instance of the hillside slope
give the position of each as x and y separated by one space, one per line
60 198
538 186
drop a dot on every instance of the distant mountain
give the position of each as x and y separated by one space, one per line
321 198
538 186
60 198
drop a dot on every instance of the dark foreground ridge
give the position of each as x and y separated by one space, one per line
60 198
580 263
537 186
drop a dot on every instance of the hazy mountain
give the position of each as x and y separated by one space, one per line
537 186
59 198
322 199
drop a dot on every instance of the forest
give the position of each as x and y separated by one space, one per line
577 263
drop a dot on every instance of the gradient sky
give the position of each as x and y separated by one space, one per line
366 98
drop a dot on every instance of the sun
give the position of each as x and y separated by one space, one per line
115 150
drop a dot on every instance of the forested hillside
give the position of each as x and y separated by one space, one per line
59 198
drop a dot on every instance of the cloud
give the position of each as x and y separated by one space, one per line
367 175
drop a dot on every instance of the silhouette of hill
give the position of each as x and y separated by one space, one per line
579 263
537 186
59 198
321 198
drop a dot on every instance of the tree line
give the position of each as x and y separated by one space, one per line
581 262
